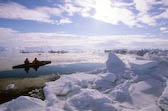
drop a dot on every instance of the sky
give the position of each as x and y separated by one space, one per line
84 24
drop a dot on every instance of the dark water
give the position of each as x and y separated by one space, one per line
46 70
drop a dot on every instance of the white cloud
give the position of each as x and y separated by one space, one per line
16 11
144 6
65 21
133 42
109 11
70 9
49 11
105 12
6 31
115 16
146 19
164 2
163 15
164 29
114 12
13 38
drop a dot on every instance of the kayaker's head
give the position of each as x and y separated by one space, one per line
35 59
26 59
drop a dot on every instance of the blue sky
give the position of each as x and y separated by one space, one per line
94 24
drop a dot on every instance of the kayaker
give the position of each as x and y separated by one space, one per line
26 62
36 61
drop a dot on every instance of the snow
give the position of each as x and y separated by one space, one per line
114 64
24 103
10 86
129 83
67 85
163 100
89 100
104 81
121 92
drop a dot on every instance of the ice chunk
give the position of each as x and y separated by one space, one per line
118 87
89 100
151 108
121 92
24 103
66 86
105 81
10 86
163 100
68 83
143 68
114 64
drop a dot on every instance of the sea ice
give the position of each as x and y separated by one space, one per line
23 103
10 86
130 84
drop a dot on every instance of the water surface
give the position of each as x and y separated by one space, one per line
66 63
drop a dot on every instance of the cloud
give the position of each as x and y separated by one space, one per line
70 9
133 42
134 13
144 6
6 31
164 29
19 12
109 11
163 15
114 15
164 2
146 19
12 38
64 21
149 11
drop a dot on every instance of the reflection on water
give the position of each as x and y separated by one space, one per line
26 69
61 63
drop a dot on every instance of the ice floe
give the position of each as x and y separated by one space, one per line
129 83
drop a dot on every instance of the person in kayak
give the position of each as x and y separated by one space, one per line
36 61
26 62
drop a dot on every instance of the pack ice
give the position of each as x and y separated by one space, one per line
128 83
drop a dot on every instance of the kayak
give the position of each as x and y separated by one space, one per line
41 63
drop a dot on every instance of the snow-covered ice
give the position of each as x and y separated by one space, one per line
115 65
129 83
163 100
24 103
10 86
89 100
